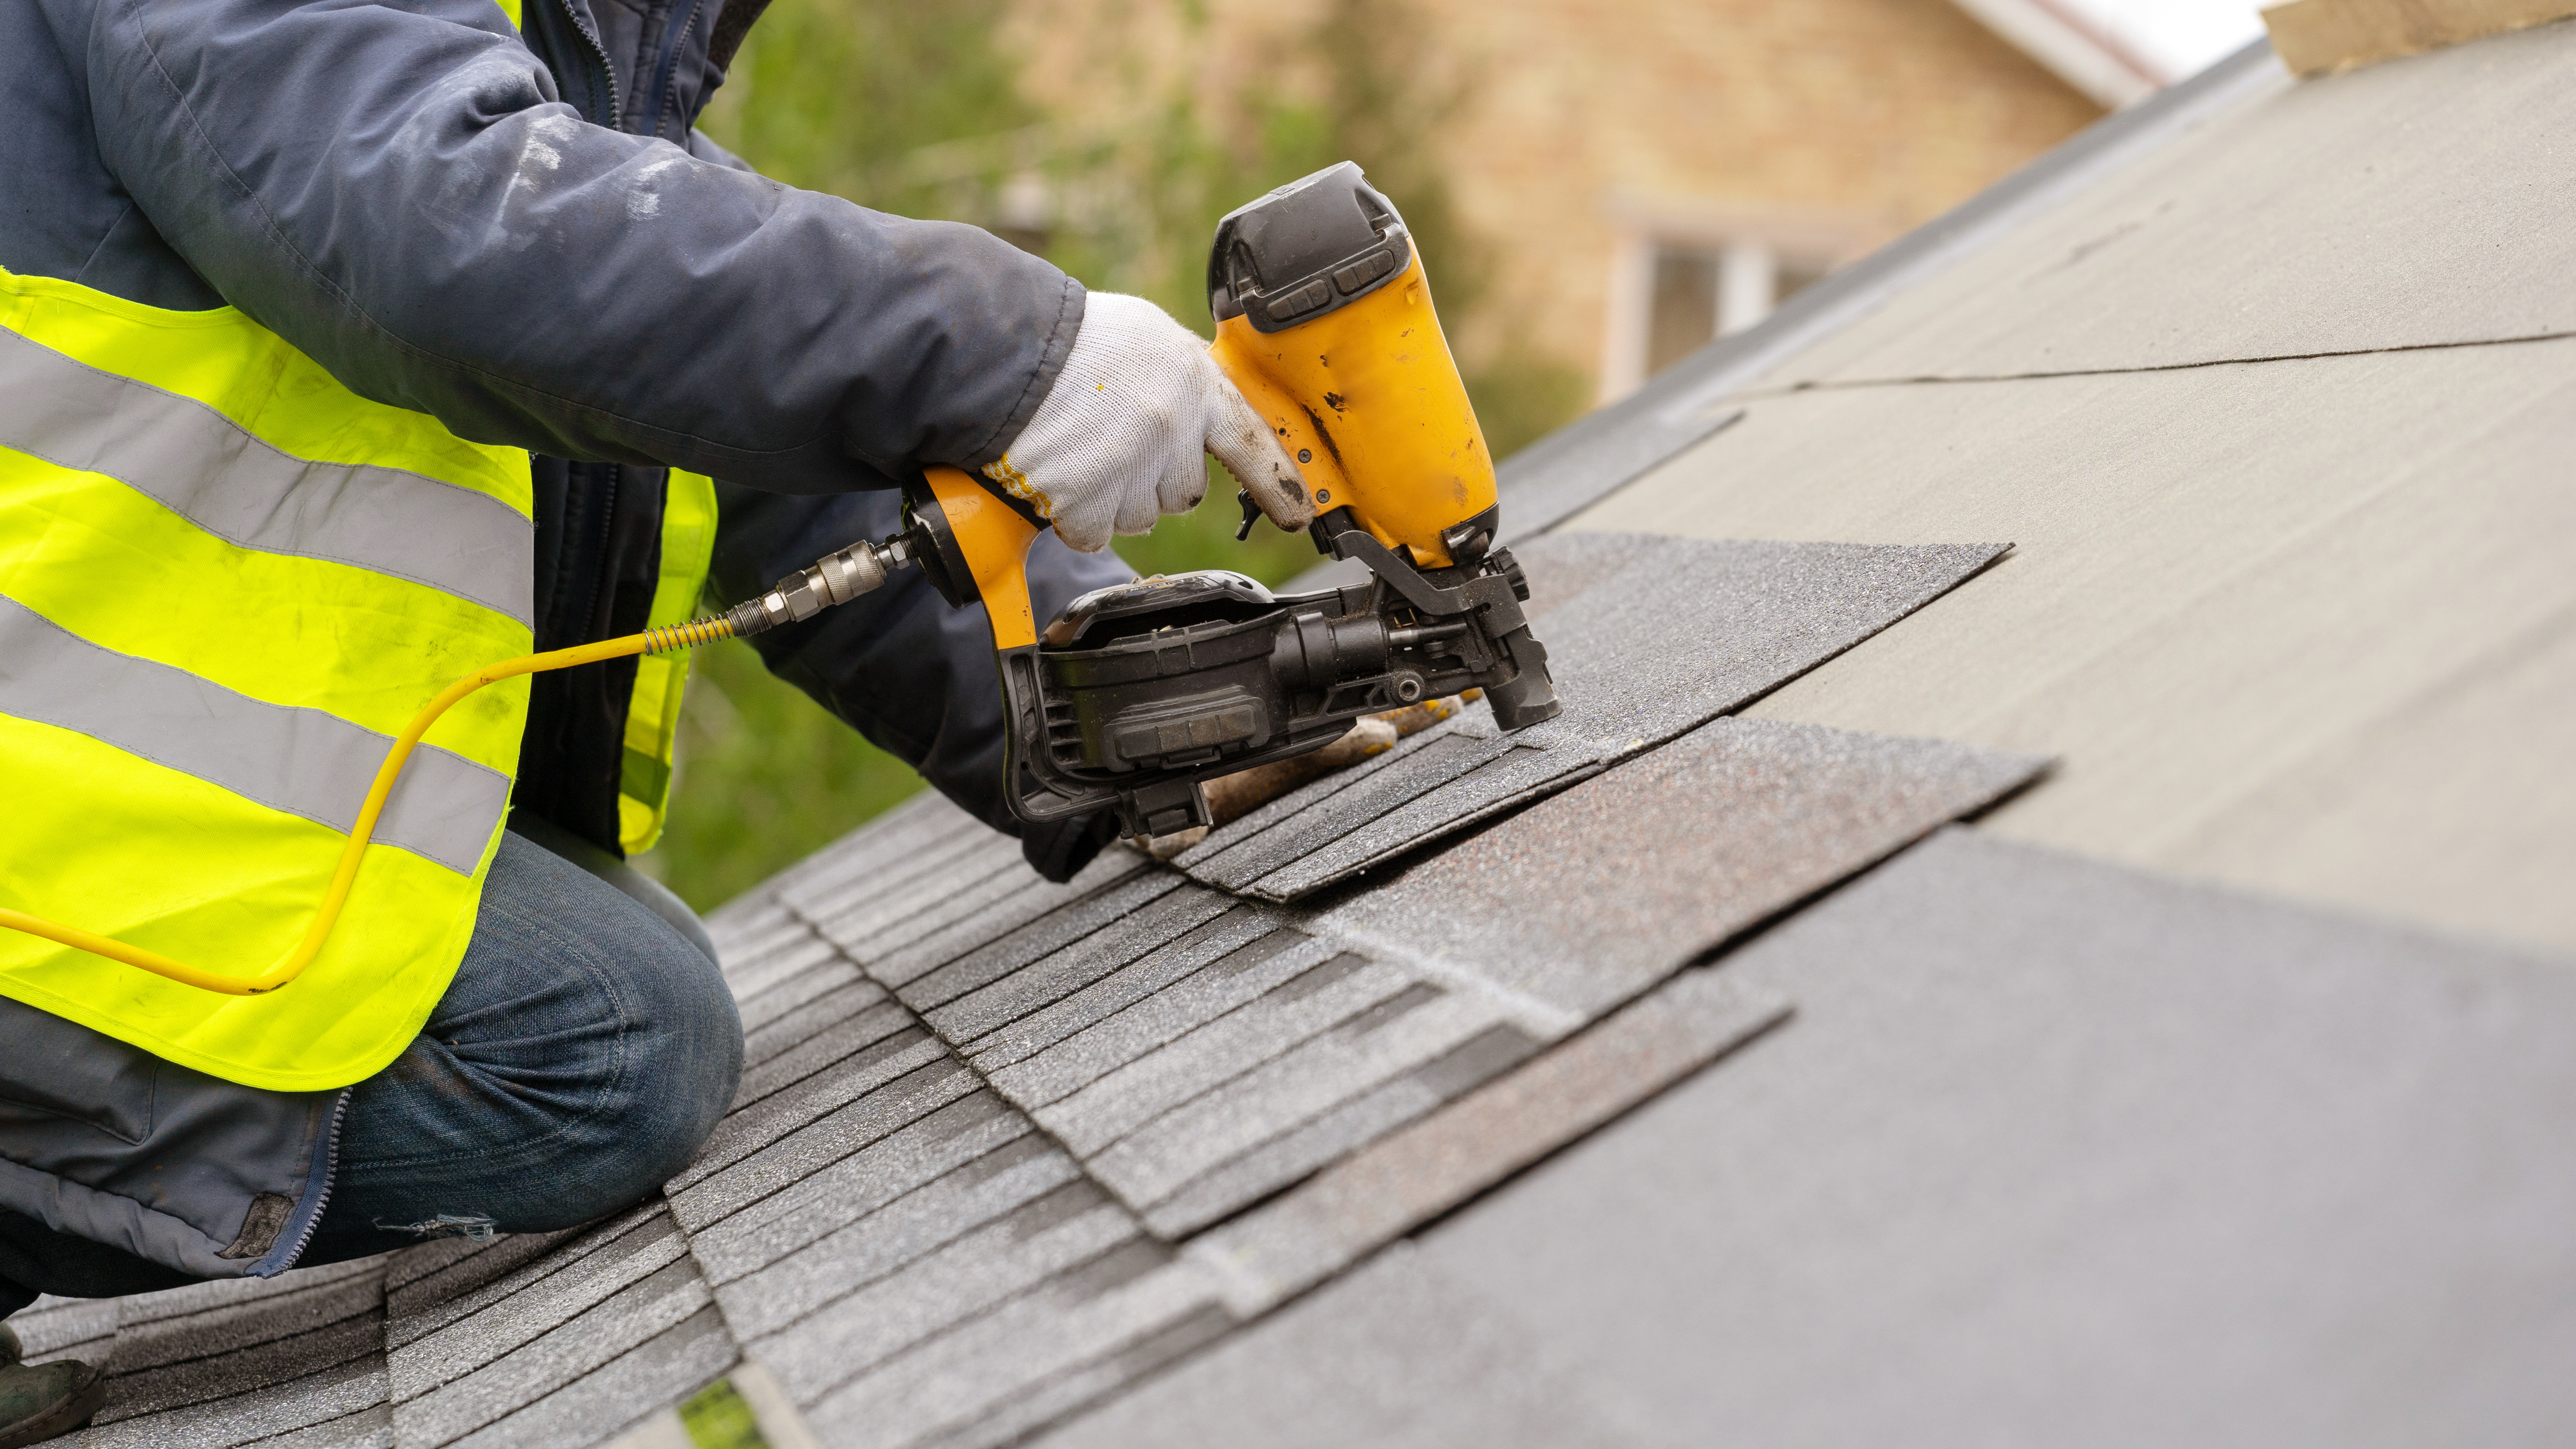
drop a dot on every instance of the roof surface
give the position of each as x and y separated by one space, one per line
1687 1062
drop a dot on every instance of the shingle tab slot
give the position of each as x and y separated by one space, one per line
991 1265
870 1116
946 1151
899 1232
1050 979
1150 1011
1261 1030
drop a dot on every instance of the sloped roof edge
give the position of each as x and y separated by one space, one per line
2072 48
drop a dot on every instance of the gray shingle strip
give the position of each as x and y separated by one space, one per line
601 1403
220 1339
959 932
853 912
1431 1165
1439 758
781 1113
1261 1030
338 1407
1131 909
469 1283
1560 571
872 1114
1150 1000
409 1266
221 1295
1408 1030
790 959
1068 1390
830 1044
1071 1225
1053 977
547 1294
910 829
1093 1314
822 1266
943 1153
1262 817
1283 1159
52 1328
359 1339
1510 776
782 999
596 1336
1395 1355
1587 897
368 1428
744 926
1680 632
795 1025
757 940
927 928
248 1320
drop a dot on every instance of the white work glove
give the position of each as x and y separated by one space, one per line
1118 442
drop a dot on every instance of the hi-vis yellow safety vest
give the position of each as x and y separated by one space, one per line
226 581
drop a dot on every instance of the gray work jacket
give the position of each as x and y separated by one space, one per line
523 236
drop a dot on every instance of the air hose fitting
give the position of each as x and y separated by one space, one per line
833 579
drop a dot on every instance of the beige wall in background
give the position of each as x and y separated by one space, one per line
1857 117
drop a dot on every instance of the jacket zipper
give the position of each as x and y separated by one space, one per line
598 53
664 64
330 1179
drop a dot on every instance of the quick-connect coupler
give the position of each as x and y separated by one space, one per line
833 579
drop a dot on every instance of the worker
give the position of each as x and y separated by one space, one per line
342 345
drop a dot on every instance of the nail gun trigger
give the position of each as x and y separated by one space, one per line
1251 514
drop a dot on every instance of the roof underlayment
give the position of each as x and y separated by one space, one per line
1684 1063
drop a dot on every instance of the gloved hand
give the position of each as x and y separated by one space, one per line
1118 441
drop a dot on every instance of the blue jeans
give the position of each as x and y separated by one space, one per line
586 1048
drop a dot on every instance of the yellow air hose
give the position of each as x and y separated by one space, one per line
651 641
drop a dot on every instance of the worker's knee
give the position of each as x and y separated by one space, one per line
626 1114
582 1055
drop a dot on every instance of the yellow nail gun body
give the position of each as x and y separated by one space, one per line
1135 695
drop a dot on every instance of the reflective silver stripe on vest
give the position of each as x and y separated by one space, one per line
302 761
209 470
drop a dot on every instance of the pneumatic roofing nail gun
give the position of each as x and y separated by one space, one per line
1136 695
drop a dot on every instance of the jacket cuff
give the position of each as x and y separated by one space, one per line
1059 345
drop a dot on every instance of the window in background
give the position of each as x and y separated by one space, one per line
1702 293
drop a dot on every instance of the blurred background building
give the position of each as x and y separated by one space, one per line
1598 190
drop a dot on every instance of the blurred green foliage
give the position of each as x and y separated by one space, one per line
912 108
717 1418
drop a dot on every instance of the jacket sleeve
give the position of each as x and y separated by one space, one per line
912 674
399 191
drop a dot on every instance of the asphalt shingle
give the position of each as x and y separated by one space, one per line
959 1280
882 1237
1585 899
1433 1164
1395 1356
2093 1147
1674 633
539 1298
489 1400
878 1105
969 1133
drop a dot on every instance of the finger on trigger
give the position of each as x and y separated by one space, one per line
1242 441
